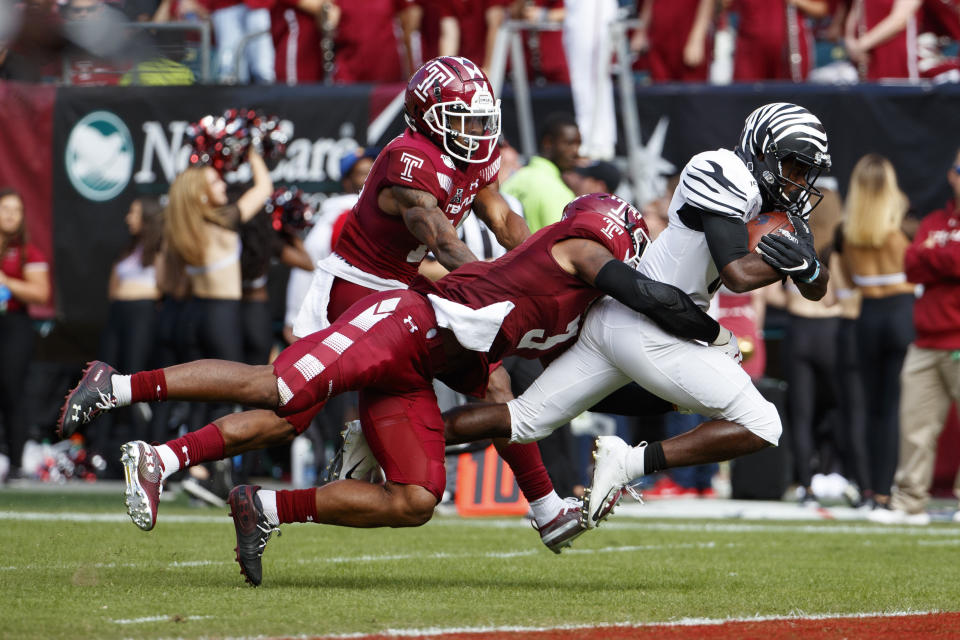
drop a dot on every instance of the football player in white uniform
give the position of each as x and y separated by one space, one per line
782 150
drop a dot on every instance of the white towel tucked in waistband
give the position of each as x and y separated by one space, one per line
475 329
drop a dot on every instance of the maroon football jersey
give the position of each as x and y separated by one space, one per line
381 244
549 302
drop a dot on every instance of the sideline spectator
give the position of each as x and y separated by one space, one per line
852 438
774 41
297 27
810 360
546 60
539 186
99 33
129 336
873 253
24 280
597 177
671 58
881 38
480 20
234 21
586 43
365 44
930 379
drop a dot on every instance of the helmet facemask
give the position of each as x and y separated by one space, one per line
454 121
792 188
638 238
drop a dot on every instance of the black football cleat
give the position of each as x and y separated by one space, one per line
253 531
92 396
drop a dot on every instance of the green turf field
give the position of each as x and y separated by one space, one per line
96 575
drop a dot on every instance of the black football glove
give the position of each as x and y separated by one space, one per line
790 256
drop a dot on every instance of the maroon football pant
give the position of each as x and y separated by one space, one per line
386 346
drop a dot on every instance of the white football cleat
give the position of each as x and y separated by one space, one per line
354 460
609 479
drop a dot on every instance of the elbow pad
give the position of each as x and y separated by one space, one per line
667 306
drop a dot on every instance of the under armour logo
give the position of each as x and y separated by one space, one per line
186 455
76 412
409 320
158 393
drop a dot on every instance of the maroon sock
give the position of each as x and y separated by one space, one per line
527 467
202 445
148 386
299 505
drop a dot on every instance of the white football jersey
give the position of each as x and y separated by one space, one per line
716 181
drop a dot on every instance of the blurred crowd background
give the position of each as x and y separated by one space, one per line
174 42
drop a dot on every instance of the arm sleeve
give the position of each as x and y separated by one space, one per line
726 238
670 308
925 265
632 400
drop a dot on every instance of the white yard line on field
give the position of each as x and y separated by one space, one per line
491 555
626 524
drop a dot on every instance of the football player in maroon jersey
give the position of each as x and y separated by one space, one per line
389 346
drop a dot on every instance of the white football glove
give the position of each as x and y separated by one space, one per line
727 342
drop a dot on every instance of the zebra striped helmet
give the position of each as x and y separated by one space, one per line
779 134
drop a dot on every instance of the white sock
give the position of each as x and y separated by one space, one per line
121 389
546 508
634 462
171 463
268 500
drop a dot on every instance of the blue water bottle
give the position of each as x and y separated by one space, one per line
4 297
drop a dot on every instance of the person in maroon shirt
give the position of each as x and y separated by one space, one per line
773 39
24 280
671 58
392 343
881 38
294 26
365 46
930 378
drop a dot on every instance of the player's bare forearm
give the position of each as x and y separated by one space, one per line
509 228
450 251
748 273
816 289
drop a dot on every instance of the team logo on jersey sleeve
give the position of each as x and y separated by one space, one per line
410 162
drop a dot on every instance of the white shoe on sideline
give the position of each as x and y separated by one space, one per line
898 516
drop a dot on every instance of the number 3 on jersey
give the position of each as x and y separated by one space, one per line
534 339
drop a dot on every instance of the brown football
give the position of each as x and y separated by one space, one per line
766 223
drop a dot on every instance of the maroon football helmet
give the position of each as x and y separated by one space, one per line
450 101
618 210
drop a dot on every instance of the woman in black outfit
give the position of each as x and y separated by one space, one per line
24 280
